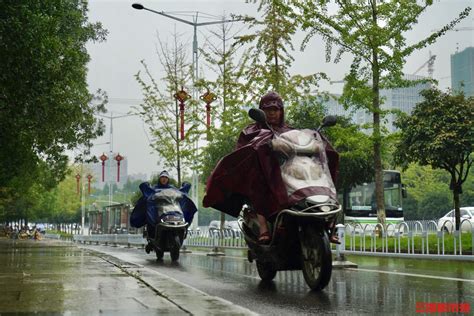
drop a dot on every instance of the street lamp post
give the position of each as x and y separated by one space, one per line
111 156
194 23
89 177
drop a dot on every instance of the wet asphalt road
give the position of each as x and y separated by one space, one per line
57 278
377 286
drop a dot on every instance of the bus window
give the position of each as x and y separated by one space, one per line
361 206
392 197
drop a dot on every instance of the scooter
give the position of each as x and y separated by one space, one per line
299 233
167 214
171 230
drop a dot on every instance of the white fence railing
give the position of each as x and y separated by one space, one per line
412 238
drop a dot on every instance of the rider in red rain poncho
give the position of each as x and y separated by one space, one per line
251 174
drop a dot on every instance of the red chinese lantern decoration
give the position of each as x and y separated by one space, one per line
208 98
118 158
89 178
181 96
103 157
78 178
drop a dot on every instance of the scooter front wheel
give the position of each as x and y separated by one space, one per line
266 271
174 249
159 253
317 258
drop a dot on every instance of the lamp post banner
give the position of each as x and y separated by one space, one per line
78 178
118 158
103 157
89 178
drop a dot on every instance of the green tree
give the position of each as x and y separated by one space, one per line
45 106
440 133
55 205
229 117
270 55
422 184
356 158
467 198
161 112
373 31
68 202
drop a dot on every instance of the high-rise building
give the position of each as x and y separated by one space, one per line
402 99
333 107
462 72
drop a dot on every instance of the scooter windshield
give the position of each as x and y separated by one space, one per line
306 167
167 201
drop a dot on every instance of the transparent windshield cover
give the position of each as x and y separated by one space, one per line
306 164
167 201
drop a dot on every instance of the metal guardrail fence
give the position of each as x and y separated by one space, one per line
405 233
365 240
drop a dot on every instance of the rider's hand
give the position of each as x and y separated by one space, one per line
281 146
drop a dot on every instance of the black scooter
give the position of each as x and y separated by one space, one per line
299 234
171 230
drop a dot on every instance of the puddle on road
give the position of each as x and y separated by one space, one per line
48 276
350 291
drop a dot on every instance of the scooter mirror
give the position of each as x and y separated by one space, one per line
329 120
258 116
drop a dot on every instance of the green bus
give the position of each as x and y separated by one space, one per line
361 206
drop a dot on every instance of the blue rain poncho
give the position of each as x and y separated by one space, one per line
161 200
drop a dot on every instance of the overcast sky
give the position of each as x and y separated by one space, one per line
133 37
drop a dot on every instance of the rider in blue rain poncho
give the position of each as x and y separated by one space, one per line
145 212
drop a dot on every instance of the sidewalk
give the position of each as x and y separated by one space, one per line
54 277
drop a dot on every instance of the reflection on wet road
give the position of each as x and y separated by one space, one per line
380 285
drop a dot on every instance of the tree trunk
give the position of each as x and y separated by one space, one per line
376 129
457 211
379 194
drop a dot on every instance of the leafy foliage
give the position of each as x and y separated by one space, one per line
270 56
229 117
374 33
160 109
45 106
439 133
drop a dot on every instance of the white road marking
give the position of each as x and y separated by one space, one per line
412 274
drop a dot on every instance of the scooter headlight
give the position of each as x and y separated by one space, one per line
172 219
325 208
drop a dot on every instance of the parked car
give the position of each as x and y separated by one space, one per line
448 220
231 228
234 227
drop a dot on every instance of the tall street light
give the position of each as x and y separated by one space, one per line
194 23
111 153
82 191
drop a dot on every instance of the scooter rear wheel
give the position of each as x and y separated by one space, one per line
265 271
317 258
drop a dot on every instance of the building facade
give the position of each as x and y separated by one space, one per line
462 72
